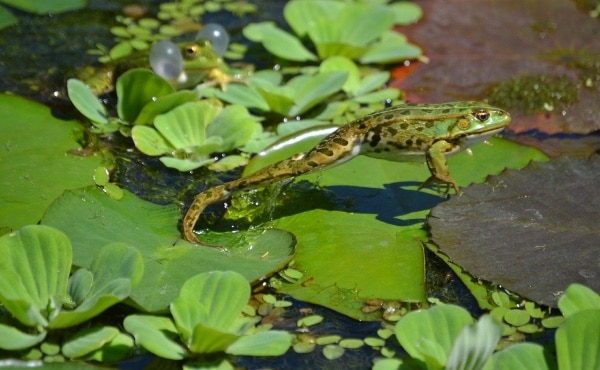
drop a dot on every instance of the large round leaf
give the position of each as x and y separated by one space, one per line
91 219
35 164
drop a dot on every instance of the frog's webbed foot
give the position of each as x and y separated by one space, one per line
448 181
217 77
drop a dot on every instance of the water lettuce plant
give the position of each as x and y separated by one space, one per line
207 320
175 125
39 291
445 337
362 31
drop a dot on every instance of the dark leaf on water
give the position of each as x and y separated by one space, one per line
534 231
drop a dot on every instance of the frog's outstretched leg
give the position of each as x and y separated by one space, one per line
317 158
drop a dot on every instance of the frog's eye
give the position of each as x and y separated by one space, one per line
482 115
191 51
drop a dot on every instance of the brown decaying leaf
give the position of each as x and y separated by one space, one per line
534 231
473 45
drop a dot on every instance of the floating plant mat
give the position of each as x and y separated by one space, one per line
534 231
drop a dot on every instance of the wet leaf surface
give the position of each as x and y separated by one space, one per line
534 231
91 219
475 46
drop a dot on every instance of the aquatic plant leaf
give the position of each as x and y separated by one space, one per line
36 167
116 268
340 63
311 90
149 141
157 335
577 341
34 271
88 340
164 104
205 339
234 126
424 333
577 298
185 126
221 294
262 343
303 15
86 102
278 42
6 18
362 23
136 88
405 13
520 356
474 345
12 339
91 220
531 218
393 47
45 7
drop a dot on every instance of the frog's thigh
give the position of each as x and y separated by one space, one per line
437 162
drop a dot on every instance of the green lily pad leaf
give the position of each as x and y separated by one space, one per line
439 326
205 339
577 298
80 284
88 340
393 47
520 356
86 102
6 18
118 349
33 6
361 23
556 222
36 167
12 339
136 88
163 105
262 343
475 344
156 334
372 82
91 220
185 164
277 101
578 340
34 271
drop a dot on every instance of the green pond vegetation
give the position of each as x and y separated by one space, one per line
76 244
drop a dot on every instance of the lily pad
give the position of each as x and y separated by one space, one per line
367 244
91 219
533 231
35 162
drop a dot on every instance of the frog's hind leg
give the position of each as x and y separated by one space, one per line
200 202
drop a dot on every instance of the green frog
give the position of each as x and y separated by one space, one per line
200 63
401 133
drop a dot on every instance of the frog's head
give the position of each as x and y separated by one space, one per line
479 123
200 56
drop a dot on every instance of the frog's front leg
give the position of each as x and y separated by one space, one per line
438 166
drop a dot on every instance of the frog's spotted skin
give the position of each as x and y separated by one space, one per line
402 133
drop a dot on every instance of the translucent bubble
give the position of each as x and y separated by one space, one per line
217 35
166 60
